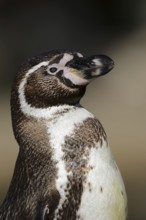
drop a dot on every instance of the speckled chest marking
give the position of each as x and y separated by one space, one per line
86 169
58 129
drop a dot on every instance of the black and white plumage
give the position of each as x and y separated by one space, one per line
65 169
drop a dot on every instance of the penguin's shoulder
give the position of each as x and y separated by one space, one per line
78 125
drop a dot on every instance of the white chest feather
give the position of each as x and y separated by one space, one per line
104 196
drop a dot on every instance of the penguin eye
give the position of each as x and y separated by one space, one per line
53 69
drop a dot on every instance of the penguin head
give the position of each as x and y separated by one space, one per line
59 77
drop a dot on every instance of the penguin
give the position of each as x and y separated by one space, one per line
65 169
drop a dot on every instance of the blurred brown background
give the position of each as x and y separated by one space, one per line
115 28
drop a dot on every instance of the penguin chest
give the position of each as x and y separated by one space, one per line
104 196
88 181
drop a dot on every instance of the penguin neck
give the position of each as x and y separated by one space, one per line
20 105
27 117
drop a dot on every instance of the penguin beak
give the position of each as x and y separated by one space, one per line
90 67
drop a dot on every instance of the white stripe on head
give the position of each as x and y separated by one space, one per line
69 73
65 59
26 108
61 65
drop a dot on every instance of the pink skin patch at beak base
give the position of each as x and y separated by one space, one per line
74 78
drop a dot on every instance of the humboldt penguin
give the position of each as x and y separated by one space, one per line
65 169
